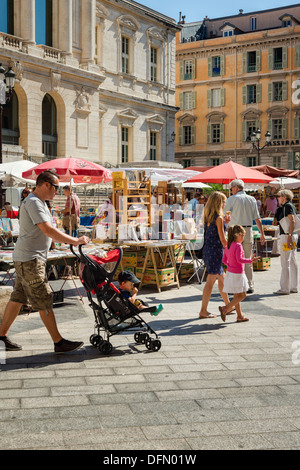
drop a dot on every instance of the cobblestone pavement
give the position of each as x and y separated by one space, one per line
212 385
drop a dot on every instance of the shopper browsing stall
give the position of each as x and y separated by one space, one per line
287 244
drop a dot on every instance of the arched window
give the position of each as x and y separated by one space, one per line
43 22
10 121
7 16
49 126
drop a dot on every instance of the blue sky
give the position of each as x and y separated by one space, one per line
195 10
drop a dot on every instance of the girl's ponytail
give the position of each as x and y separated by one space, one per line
233 232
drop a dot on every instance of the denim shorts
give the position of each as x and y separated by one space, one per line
32 286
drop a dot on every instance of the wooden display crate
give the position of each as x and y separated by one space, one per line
186 271
125 268
133 258
262 264
165 275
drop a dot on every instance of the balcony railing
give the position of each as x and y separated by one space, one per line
13 42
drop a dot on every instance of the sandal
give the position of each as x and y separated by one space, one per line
231 311
241 319
223 314
210 315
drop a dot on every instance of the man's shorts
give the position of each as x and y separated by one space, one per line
32 286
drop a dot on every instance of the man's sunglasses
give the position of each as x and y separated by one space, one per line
56 186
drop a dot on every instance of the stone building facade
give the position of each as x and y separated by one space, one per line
236 75
95 80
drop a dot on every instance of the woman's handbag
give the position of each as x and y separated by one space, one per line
285 223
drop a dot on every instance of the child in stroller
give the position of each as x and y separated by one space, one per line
127 281
113 312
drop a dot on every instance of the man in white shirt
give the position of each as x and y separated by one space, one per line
243 209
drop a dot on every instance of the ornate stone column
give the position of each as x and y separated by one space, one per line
88 22
27 8
65 26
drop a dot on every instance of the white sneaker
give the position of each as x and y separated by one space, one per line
281 292
294 291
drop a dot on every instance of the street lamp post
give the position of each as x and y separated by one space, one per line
255 140
7 83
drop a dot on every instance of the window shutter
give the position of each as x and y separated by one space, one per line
284 128
222 132
194 69
258 61
193 134
180 135
270 127
284 90
297 55
244 131
270 59
244 91
194 97
284 57
244 62
258 93
222 96
208 133
209 98
209 66
258 124
296 128
290 160
270 91
181 70
222 65
181 100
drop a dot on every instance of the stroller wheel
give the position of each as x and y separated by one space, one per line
155 345
137 338
105 347
144 337
95 340
148 344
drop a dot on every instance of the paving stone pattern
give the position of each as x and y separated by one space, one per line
212 385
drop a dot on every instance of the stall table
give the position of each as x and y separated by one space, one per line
64 258
165 249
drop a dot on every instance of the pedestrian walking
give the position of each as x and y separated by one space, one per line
30 257
287 244
235 281
244 210
213 249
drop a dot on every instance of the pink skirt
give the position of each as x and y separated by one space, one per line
235 283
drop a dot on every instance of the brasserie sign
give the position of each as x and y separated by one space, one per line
280 143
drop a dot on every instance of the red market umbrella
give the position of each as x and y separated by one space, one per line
75 169
277 172
229 171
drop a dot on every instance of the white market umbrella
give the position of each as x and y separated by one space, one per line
12 171
196 185
285 182
173 175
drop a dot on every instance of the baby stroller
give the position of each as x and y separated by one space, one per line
113 312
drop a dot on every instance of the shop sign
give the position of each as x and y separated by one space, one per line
280 143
